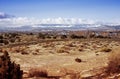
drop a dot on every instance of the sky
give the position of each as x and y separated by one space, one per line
100 10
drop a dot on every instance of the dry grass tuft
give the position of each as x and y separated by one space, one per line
70 74
66 48
71 45
48 45
62 51
114 62
105 49
35 72
35 53
24 53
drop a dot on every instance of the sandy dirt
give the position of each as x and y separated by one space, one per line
58 57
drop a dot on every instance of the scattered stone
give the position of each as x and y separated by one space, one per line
78 60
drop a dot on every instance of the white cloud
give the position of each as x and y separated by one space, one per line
16 22
66 21
4 15
22 21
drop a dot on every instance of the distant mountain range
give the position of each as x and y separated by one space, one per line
60 27
10 23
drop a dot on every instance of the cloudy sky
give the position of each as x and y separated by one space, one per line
21 12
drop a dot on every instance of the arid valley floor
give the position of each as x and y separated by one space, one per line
65 59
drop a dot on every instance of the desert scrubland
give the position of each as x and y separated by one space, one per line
45 56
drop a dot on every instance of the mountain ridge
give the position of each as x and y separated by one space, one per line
59 27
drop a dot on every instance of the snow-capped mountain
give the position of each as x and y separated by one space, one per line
10 23
58 27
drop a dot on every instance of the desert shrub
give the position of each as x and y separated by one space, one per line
99 36
6 34
12 40
35 53
24 53
114 62
31 33
17 50
105 49
54 37
80 49
8 69
4 41
92 35
41 35
37 73
63 36
73 36
1 37
1 41
62 51
13 35
48 36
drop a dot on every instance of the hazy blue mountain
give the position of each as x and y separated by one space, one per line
59 27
